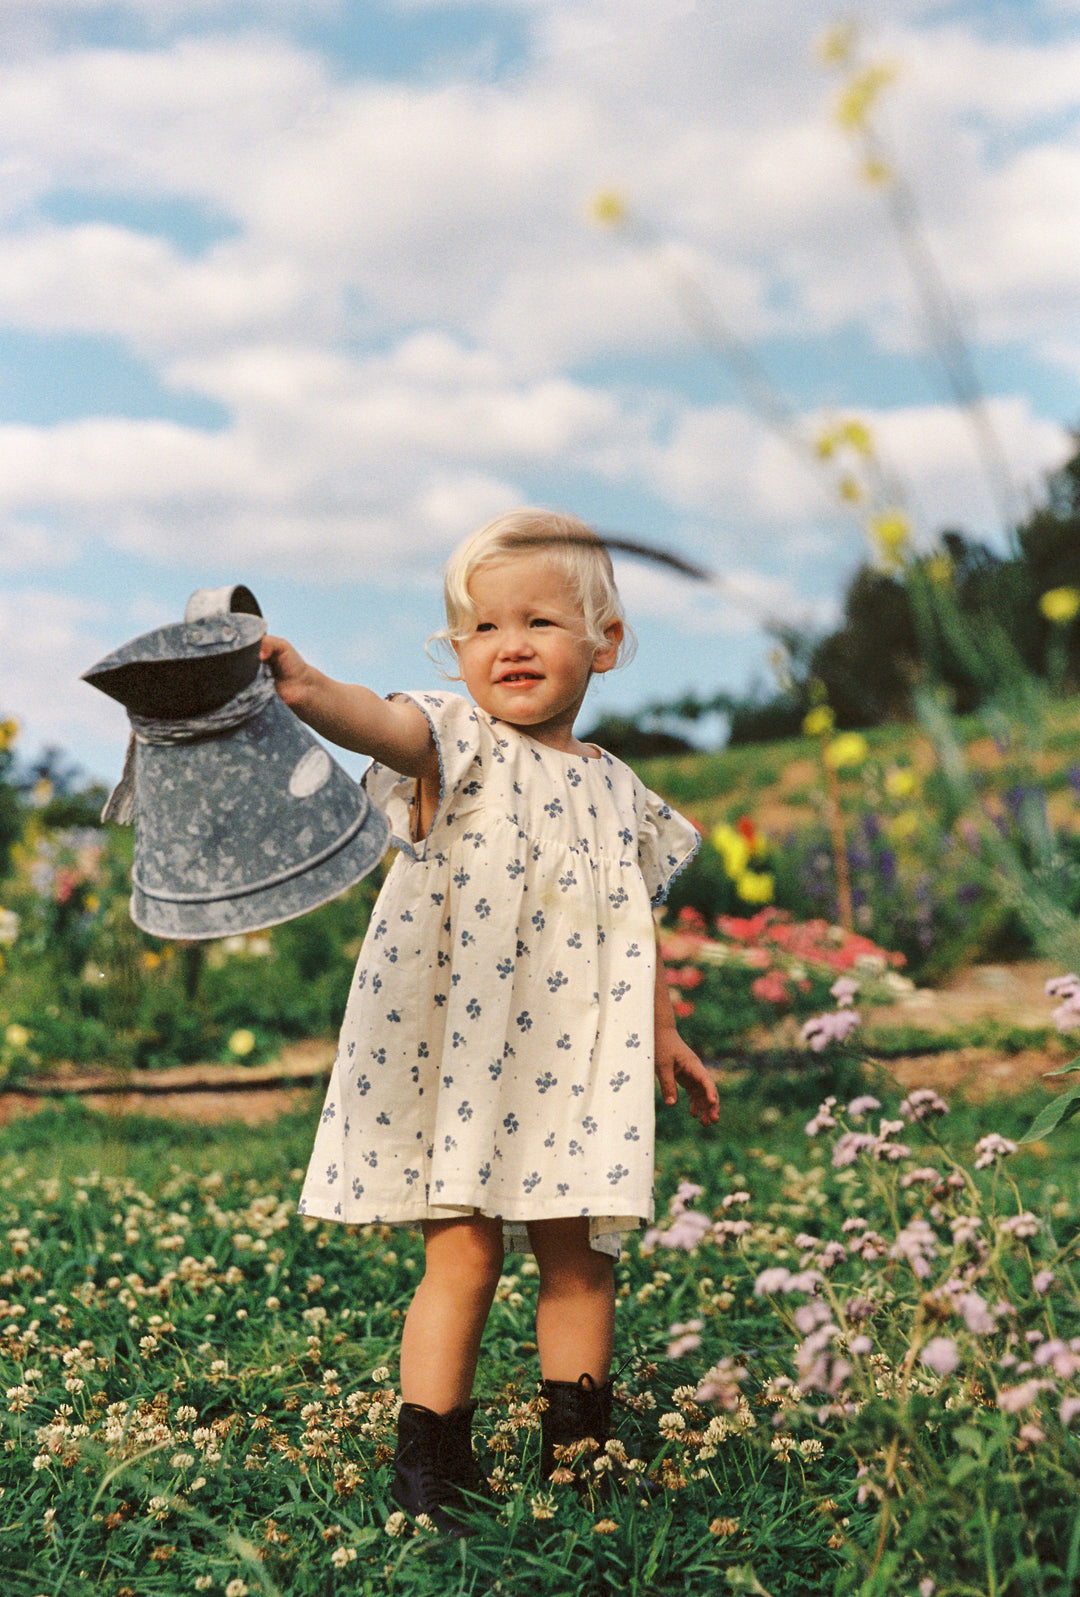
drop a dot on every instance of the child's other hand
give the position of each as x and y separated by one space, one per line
675 1062
290 671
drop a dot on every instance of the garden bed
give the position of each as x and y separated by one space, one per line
975 1002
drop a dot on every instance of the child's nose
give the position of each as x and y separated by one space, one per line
516 640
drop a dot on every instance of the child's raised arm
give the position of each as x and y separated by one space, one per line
393 731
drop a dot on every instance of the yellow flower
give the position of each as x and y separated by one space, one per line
939 568
849 489
900 782
857 435
609 209
9 731
16 1036
755 887
838 43
41 793
847 749
149 959
902 826
876 171
818 721
854 107
891 532
242 1042
733 849
1060 605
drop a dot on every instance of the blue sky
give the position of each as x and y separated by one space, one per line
299 292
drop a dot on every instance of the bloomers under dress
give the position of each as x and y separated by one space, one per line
496 1053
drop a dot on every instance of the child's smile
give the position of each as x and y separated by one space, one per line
528 659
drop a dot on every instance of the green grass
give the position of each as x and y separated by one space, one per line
245 1444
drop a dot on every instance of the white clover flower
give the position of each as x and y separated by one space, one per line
397 1524
343 1556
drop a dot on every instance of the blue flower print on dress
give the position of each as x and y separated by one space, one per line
329 1111
411 1176
331 1174
363 1085
357 1187
465 1110
576 895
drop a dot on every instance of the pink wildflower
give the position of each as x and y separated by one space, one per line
843 990
922 1103
1020 1225
862 1106
940 1355
684 1338
992 1147
977 1316
1011 1399
1070 1408
849 1145
1043 1280
721 1385
1066 1016
834 1026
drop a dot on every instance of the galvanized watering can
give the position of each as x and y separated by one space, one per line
242 819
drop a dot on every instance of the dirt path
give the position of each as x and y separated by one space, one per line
214 1094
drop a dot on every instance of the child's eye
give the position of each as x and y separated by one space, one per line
541 621
485 626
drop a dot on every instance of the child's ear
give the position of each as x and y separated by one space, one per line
608 652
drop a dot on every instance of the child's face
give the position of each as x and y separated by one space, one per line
528 660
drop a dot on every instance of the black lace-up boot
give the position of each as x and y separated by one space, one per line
434 1464
576 1412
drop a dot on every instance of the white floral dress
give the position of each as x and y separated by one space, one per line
496 1052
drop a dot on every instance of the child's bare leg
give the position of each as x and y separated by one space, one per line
575 1312
440 1343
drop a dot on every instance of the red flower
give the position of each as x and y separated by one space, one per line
772 987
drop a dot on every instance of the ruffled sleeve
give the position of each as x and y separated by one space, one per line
456 730
667 842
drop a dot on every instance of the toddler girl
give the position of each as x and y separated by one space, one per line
493 1080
